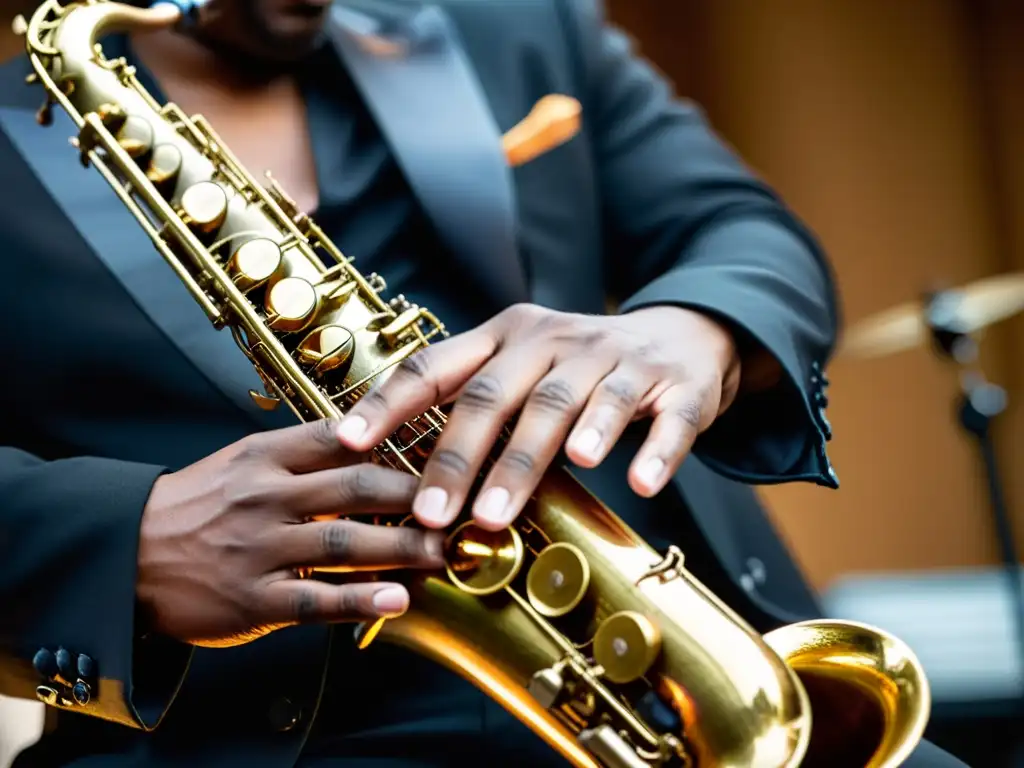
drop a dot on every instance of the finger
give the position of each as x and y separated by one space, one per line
346 546
302 448
549 413
417 383
306 601
488 401
682 413
357 490
611 408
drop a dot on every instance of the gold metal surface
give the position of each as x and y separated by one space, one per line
868 692
327 348
539 616
254 262
204 206
291 304
483 562
558 579
626 645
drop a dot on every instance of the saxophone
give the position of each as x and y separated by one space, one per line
610 652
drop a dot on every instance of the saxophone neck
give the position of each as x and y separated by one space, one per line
85 22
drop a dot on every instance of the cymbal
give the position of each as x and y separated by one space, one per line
978 305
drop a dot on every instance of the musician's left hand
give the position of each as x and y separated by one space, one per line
585 376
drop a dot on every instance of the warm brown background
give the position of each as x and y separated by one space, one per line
897 130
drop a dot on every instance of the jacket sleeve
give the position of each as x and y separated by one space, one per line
687 224
69 631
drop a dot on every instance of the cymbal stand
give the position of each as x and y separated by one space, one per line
979 403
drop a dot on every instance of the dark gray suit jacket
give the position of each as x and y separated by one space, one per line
111 374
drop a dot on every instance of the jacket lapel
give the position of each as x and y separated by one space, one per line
118 240
414 75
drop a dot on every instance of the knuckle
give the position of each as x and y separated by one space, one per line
648 352
350 603
518 461
525 315
621 393
251 450
483 392
451 462
375 398
249 493
554 395
410 545
690 413
304 605
322 433
336 541
593 338
416 366
358 485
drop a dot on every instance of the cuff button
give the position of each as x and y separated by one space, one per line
82 693
66 664
86 667
45 663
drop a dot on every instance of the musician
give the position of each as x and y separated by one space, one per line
150 511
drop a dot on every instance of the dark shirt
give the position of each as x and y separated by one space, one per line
366 206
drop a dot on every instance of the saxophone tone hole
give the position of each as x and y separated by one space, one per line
481 562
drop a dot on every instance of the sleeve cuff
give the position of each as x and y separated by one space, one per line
778 435
87 605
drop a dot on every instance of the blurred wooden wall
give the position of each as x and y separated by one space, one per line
897 131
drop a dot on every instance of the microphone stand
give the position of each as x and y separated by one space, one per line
979 403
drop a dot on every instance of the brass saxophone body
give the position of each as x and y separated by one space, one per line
611 652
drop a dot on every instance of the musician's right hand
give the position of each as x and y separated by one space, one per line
223 541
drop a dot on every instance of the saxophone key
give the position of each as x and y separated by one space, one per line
164 167
204 207
626 645
609 747
547 686
558 580
327 348
291 304
135 136
254 263
392 333
112 116
264 401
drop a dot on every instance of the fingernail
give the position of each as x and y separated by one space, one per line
390 601
493 506
431 505
352 428
587 442
650 472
